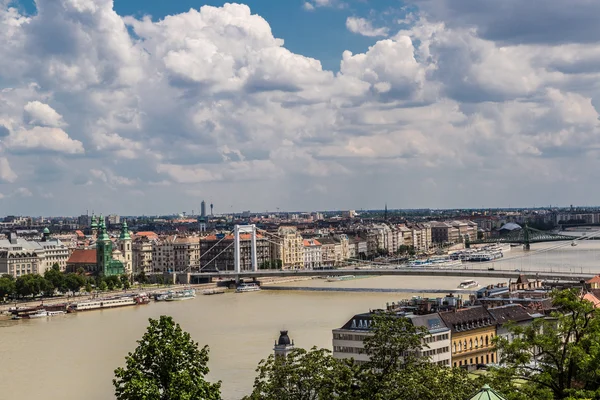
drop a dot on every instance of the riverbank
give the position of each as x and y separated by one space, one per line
4 308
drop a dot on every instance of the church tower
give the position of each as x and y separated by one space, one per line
125 247
283 346
94 227
103 249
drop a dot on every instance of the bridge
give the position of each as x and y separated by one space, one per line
525 236
467 273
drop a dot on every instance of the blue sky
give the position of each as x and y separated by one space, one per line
103 110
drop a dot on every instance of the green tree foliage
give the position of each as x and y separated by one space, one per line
31 285
55 278
112 282
560 355
304 375
102 286
74 282
166 365
125 281
142 278
7 286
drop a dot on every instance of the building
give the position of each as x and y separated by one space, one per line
82 258
283 346
19 256
348 341
113 219
203 209
126 249
217 252
473 329
108 262
312 254
186 253
142 252
510 313
290 248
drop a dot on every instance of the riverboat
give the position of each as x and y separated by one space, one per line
247 287
111 302
42 313
209 292
340 278
468 284
186 294
55 313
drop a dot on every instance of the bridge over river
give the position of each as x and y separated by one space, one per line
467 273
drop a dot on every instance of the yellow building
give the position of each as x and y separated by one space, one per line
472 330
290 249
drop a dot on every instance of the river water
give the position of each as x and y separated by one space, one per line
73 356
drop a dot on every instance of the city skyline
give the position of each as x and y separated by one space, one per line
420 104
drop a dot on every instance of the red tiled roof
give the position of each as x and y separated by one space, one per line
79 233
148 234
82 256
595 279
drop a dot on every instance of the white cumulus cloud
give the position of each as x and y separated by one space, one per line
37 113
364 27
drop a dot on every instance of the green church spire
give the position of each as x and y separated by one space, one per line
102 235
124 232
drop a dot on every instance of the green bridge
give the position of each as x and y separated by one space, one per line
524 236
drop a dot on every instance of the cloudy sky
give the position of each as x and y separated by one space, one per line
148 107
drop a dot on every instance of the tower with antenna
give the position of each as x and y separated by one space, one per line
211 209
385 213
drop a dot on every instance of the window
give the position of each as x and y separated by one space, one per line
492 357
486 340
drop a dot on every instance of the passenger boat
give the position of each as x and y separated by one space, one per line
55 313
468 284
110 302
161 296
38 314
209 292
573 243
340 278
186 294
247 287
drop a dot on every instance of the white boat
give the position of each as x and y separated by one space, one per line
209 292
55 313
468 284
39 314
113 302
186 294
340 278
573 243
247 287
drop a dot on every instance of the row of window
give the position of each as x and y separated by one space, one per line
346 349
431 339
433 352
348 336
479 342
478 360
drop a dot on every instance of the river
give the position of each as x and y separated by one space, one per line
73 356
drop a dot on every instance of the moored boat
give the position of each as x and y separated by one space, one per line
42 313
340 278
209 292
110 302
468 284
247 287
186 294
55 313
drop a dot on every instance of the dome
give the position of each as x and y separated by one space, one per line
46 231
511 226
284 339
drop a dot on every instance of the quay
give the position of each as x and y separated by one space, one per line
367 290
394 271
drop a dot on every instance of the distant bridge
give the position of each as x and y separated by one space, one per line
525 236
467 273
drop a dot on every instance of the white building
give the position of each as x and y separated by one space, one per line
19 256
312 254
348 341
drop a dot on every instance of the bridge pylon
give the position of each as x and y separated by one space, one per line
526 240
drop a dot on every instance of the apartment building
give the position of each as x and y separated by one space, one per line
514 314
473 329
142 252
217 252
19 256
290 249
348 341
186 254
312 254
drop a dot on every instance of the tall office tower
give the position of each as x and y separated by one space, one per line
203 209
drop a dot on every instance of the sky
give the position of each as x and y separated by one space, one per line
148 107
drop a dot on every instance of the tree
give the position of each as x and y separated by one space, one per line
7 287
125 281
102 287
55 277
142 278
28 285
74 282
311 375
166 365
559 354
112 282
88 287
